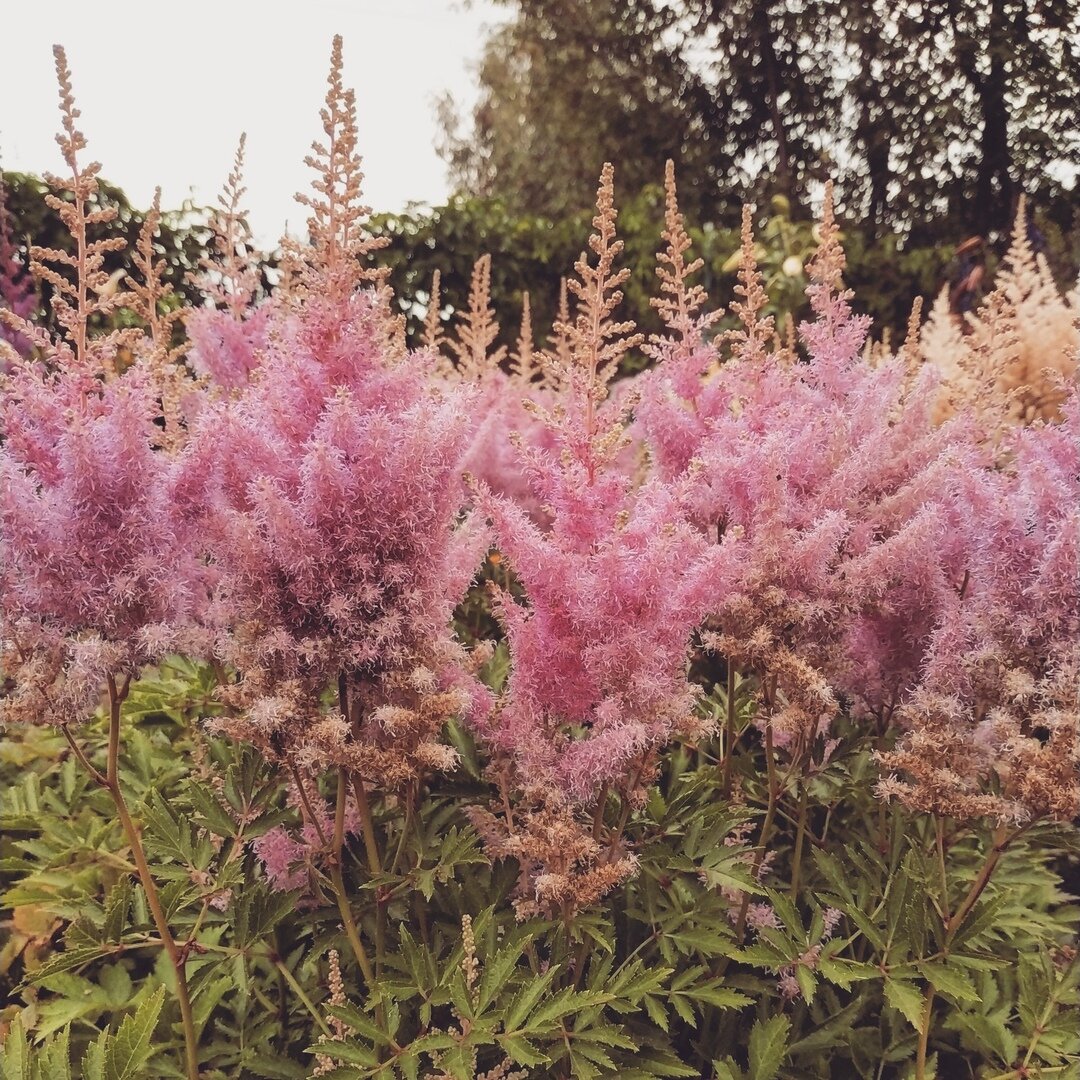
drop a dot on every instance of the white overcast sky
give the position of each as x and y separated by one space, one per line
165 89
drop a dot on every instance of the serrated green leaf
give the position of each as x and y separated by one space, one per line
129 1050
682 1006
358 1023
845 973
15 1054
522 1051
989 1034
93 1063
727 1070
268 1067
497 972
807 983
982 918
656 1011
67 960
768 1047
563 1004
56 1057
719 997
347 1050
706 942
117 908
526 999
951 980
907 999
834 1031
210 810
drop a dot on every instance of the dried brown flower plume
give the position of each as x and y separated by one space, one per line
477 327
681 301
751 342
563 866
1013 359
331 262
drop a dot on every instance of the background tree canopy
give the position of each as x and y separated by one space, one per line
932 116
920 109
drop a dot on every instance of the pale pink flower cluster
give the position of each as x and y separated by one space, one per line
328 493
999 696
305 513
827 477
228 332
97 576
326 487
309 514
290 856
615 585
500 424
226 349
599 655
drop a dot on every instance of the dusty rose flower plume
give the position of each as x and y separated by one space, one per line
682 301
95 579
993 727
329 495
155 303
97 576
499 415
329 262
615 588
434 337
228 332
818 474
477 328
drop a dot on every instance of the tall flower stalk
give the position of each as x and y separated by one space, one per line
614 588
327 492
96 580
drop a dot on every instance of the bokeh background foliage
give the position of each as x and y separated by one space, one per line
931 116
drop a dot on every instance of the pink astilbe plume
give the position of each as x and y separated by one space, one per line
615 588
331 522
499 412
290 856
330 262
681 299
329 493
158 351
994 727
228 334
79 282
95 578
477 328
677 403
823 474
502 415
886 559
